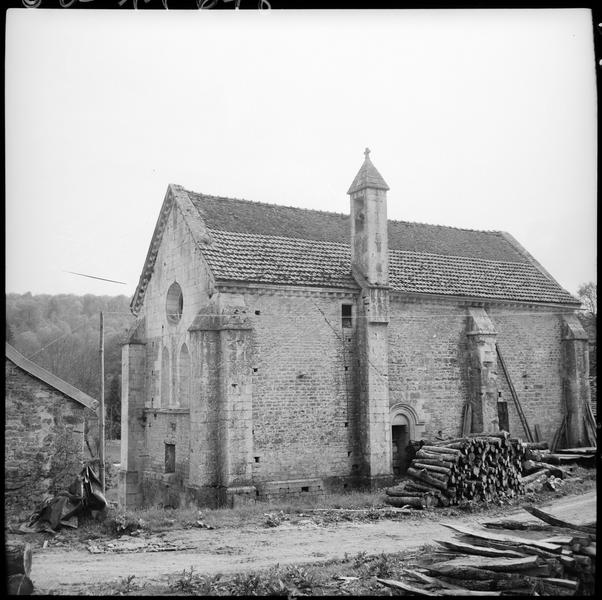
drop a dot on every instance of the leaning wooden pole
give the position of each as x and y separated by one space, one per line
519 408
101 415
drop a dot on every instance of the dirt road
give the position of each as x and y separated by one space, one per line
56 570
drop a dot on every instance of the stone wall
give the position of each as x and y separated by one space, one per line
304 392
428 362
530 341
171 355
44 440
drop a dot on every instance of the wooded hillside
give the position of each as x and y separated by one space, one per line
61 333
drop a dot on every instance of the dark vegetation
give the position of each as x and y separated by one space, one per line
61 334
588 294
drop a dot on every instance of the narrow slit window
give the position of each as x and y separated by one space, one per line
346 318
170 458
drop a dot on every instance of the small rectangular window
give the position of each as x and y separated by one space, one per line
346 315
170 458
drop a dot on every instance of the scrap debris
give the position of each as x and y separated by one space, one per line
127 544
491 564
84 496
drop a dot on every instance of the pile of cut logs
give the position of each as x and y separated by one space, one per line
481 467
540 463
486 563
478 466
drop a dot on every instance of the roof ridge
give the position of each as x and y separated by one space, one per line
314 210
338 214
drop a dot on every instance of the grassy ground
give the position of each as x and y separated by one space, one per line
325 510
353 575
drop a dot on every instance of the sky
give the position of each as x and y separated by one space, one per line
480 119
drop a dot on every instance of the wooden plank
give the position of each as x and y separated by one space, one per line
566 540
406 587
495 564
519 525
479 550
566 583
440 450
488 535
552 520
448 589
588 450
467 419
565 459
517 403
430 580
470 573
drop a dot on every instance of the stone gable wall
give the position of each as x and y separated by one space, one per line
44 440
165 421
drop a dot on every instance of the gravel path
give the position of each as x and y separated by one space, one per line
63 571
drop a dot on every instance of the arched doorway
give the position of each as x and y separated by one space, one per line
406 427
400 437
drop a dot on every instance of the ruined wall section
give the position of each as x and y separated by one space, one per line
304 364
43 441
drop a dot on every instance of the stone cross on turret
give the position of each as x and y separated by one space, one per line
369 241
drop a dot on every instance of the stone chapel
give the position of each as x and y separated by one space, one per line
282 351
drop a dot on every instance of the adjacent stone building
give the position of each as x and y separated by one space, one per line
282 351
44 445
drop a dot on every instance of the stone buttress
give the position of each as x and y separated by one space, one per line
575 379
226 322
483 375
133 394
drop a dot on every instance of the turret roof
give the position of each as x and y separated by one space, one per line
368 177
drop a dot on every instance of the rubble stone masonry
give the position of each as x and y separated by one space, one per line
43 441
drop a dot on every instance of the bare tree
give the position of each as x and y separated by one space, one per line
587 293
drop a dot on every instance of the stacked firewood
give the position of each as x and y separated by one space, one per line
478 466
491 564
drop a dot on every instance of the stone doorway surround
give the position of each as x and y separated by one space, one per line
402 414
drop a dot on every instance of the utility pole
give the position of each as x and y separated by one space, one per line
101 416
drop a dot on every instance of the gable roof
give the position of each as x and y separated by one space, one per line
255 242
47 377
